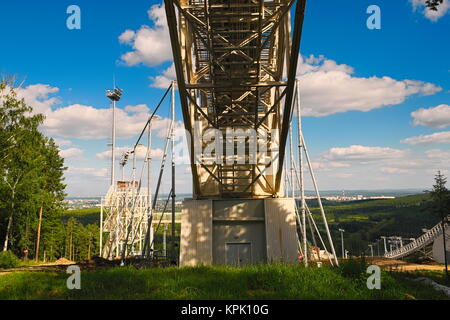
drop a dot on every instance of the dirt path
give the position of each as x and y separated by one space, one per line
399 265
59 265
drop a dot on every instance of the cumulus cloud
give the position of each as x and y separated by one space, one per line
127 36
87 122
138 109
163 81
390 170
378 167
63 142
87 172
363 153
39 97
436 117
71 153
328 88
420 5
151 45
141 153
438 154
429 139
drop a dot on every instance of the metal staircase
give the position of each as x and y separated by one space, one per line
418 244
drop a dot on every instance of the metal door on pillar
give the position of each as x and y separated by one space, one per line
238 254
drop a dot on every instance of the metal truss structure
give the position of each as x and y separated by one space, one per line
125 208
419 244
236 62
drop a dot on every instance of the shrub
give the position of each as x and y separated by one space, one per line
8 260
354 268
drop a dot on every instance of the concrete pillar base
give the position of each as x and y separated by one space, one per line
238 232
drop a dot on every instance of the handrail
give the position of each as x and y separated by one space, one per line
417 244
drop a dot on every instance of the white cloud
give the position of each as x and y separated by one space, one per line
62 142
429 139
127 36
151 45
71 153
342 175
138 109
438 154
390 170
87 172
163 81
364 153
432 15
328 88
89 123
38 96
80 121
86 122
436 117
377 168
141 152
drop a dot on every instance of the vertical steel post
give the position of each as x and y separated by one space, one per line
101 227
113 144
174 251
149 186
291 156
302 179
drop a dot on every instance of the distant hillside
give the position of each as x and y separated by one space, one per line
363 221
84 216
367 220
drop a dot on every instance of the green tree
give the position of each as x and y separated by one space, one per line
31 174
440 206
19 161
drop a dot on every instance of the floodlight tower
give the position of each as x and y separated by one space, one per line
123 163
114 95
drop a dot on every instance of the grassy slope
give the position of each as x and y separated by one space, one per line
256 282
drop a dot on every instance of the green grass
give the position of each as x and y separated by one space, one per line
253 282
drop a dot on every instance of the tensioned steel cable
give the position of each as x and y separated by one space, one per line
153 114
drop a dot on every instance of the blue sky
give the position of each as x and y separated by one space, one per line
376 101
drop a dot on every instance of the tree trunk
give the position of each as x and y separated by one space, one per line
8 230
38 234
10 220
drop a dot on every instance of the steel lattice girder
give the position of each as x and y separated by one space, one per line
231 57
